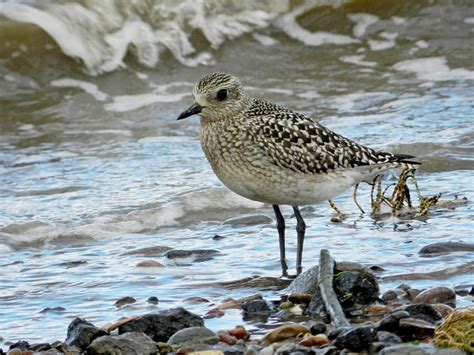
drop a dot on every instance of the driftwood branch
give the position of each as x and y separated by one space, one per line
325 277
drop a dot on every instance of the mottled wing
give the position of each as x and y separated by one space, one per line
294 141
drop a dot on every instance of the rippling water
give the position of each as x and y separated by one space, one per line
93 163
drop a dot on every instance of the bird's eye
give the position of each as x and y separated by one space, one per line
221 95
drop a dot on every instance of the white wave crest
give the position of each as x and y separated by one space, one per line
100 33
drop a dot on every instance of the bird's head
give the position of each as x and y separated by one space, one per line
218 96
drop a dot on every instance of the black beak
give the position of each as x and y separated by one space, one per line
195 108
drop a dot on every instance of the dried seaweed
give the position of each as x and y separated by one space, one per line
457 330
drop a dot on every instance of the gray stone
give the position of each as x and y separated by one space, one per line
306 282
389 295
20 345
125 300
128 343
440 294
356 339
198 254
161 326
255 306
445 248
193 335
423 311
390 321
421 349
387 337
81 333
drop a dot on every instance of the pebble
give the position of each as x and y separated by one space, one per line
423 311
439 294
285 332
389 295
415 329
150 251
390 322
356 339
198 254
315 340
446 248
149 263
318 328
300 298
464 290
153 300
193 335
129 343
255 307
377 309
53 310
162 325
411 294
239 332
226 338
443 309
387 337
214 313
196 300
420 349
81 333
125 300
356 287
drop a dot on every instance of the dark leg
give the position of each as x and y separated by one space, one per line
281 235
300 229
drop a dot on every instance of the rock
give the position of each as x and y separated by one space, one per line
390 321
196 300
445 248
218 237
150 251
387 337
53 310
20 345
411 293
128 343
199 255
318 328
304 283
66 349
377 309
333 334
356 339
161 326
256 307
314 340
251 220
423 311
439 294
125 300
239 332
390 295
403 287
300 298
226 338
239 302
284 332
40 347
193 335
149 263
153 300
80 333
214 313
415 329
355 287
464 290
443 309
421 349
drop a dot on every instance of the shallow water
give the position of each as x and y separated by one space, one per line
93 163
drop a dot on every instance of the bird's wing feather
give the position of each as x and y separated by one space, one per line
291 140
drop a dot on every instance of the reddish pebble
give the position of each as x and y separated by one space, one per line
377 309
225 337
214 313
314 340
149 263
239 333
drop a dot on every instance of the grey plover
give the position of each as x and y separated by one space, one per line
271 154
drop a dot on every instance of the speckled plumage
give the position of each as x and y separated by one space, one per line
272 154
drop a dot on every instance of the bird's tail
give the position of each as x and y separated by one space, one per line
407 161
